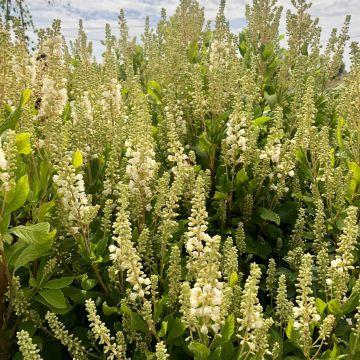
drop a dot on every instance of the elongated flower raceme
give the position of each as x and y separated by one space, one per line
206 297
74 202
4 175
253 327
305 313
196 235
102 333
344 259
26 346
73 344
123 253
161 352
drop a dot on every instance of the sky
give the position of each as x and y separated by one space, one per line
96 13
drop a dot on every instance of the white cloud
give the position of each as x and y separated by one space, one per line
97 13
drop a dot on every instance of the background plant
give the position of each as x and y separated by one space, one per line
195 196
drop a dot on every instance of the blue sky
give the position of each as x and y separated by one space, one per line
97 13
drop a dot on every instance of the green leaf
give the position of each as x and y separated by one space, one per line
350 304
200 351
204 143
163 329
59 283
226 332
25 97
43 212
154 90
20 195
14 117
54 297
233 279
320 306
341 123
75 294
259 247
227 351
136 323
23 143
37 234
216 354
12 252
5 224
268 50
355 169
288 212
38 239
334 307
261 120
30 253
78 159
271 99
193 51
155 85
220 195
241 177
267 214
88 284
108 310
175 329
289 329
354 344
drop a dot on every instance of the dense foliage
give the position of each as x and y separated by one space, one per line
193 197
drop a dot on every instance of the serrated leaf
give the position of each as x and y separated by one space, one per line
30 253
355 169
200 351
204 143
259 247
23 143
59 283
78 159
54 297
226 332
341 123
13 118
175 329
320 306
20 195
267 214
334 307
43 212
289 329
137 323
154 90
37 234
227 350
88 284
163 329
350 304
155 85
261 120
220 195
216 354
271 99
108 310
241 177
233 279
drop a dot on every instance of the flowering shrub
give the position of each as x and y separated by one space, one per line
192 197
